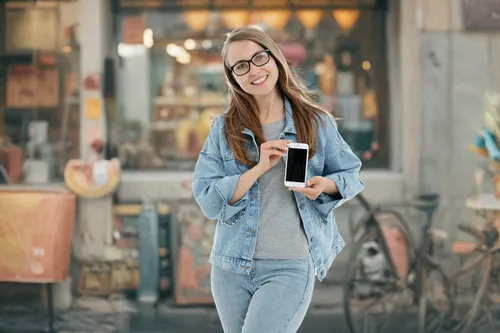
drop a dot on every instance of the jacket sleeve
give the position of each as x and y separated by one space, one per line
342 166
212 187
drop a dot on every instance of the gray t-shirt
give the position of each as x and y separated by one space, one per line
280 234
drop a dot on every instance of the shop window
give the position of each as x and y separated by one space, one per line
39 109
172 81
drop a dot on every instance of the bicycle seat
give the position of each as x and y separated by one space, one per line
427 202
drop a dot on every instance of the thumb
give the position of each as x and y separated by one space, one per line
314 180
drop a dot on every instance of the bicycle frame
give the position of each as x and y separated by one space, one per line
425 249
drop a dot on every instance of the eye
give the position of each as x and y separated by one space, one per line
259 57
241 66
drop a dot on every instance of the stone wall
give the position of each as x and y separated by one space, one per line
456 66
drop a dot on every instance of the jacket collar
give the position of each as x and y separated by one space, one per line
289 123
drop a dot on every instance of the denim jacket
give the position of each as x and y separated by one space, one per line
214 183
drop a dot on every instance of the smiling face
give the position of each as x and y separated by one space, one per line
260 79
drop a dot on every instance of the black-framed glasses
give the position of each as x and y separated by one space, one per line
259 59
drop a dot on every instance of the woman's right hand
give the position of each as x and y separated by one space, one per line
270 154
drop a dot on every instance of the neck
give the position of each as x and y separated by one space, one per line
271 107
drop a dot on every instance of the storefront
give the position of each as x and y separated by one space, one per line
171 77
170 83
147 77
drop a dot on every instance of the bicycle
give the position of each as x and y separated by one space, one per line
409 276
486 251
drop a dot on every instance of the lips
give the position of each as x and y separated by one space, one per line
260 80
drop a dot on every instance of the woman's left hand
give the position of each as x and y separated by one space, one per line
314 187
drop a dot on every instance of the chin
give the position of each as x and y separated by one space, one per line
260 91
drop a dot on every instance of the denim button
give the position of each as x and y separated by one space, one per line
302 206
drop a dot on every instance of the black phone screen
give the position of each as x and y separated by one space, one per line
296 165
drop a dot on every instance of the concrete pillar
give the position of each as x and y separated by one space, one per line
410 20
94 225
95 42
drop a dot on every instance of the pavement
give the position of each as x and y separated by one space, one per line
119 315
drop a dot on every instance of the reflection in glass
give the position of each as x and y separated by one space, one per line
170 93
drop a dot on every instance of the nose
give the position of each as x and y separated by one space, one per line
254 70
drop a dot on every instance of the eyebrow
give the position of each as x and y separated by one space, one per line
239 61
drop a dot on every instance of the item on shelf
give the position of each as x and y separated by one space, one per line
32 87
294 53
11 158
194 234
370 108
327 75
345 83
192 133
108 277
40 166
36 171
349 109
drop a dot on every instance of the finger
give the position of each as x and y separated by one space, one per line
310 192
274 148
277 144
304 190
272 151
300 190
272 154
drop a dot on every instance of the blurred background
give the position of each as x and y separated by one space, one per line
105 105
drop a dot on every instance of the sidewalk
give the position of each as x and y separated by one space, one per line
119 315
95 314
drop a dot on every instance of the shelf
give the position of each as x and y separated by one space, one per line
195 102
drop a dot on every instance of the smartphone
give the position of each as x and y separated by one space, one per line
296 165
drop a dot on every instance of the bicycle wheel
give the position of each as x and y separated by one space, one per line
374 296
436 304
484 310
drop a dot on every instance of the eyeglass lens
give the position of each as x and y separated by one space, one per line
260 59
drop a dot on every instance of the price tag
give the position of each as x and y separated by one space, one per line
100 173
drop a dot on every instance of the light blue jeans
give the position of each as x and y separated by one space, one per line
274 298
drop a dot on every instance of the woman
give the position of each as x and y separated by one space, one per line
270 241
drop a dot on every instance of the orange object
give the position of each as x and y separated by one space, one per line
80 180
483 152
36 231
464 247
11 157
396 244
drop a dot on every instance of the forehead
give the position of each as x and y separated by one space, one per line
241 50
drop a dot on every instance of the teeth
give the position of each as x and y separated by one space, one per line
259 80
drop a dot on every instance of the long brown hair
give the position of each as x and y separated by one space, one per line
242 111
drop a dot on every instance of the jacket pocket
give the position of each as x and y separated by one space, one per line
233 219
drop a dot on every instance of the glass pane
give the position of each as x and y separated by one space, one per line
39 108
172 86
